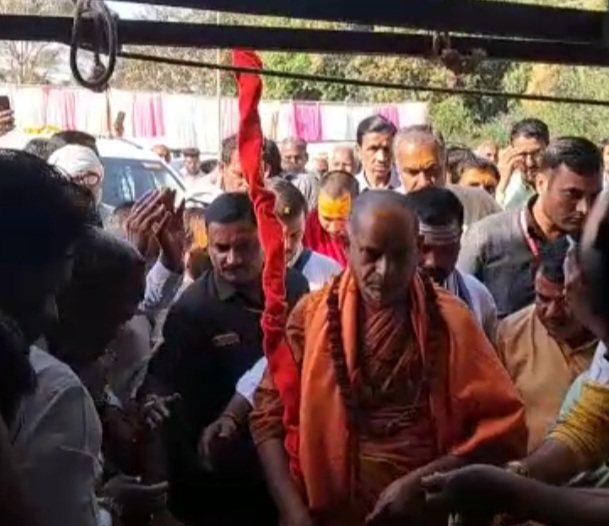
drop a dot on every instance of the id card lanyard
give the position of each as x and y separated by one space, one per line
532 244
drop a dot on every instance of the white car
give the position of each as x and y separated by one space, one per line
130 170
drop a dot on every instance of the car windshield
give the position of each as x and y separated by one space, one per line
129 179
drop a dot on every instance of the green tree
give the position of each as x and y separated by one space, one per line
148 76
461 118
24 62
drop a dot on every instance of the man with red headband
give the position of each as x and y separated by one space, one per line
325 227
397 381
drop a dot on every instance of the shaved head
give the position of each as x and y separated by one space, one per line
380 203
336 183
343 159
383 246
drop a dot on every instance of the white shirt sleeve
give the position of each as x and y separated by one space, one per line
59 458
599 370
162 285
248 383
485 308
319 270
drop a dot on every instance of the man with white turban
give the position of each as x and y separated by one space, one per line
83 166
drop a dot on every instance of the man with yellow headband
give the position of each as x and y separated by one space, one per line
325 227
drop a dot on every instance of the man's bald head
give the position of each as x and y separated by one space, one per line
337 183
380 203
340 149
383 263
343 159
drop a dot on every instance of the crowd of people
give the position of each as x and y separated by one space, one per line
448 318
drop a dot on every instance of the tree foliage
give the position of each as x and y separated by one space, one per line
148 76
462 118
31 62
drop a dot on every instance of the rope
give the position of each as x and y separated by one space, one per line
362 83
105 32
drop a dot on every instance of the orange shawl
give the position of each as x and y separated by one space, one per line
476 409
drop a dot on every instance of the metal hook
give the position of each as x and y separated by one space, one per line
105 34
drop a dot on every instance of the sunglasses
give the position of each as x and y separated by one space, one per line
87 178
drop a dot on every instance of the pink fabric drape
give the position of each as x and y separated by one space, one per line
186 119
59 108
307 121
156 104
390 112
148 115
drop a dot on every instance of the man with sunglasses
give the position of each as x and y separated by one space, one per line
84 167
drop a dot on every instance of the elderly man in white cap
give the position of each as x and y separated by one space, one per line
84 166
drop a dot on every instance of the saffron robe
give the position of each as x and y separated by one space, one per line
467 407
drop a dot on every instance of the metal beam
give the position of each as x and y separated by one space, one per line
462 16
148 33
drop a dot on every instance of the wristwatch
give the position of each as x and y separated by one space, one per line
517 468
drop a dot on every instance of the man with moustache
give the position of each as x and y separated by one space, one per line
290 209
212 336
503 250
397 381
526 490
543 346
420 158
440 215
520 163
374 148
294 155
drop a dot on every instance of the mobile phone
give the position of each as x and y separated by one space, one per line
5 103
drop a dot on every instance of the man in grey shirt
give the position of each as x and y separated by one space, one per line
502 250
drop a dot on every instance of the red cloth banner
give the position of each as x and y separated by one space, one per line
281 362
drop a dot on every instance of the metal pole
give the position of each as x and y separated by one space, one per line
219 91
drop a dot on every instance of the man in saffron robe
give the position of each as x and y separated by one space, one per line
397 381
325 227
